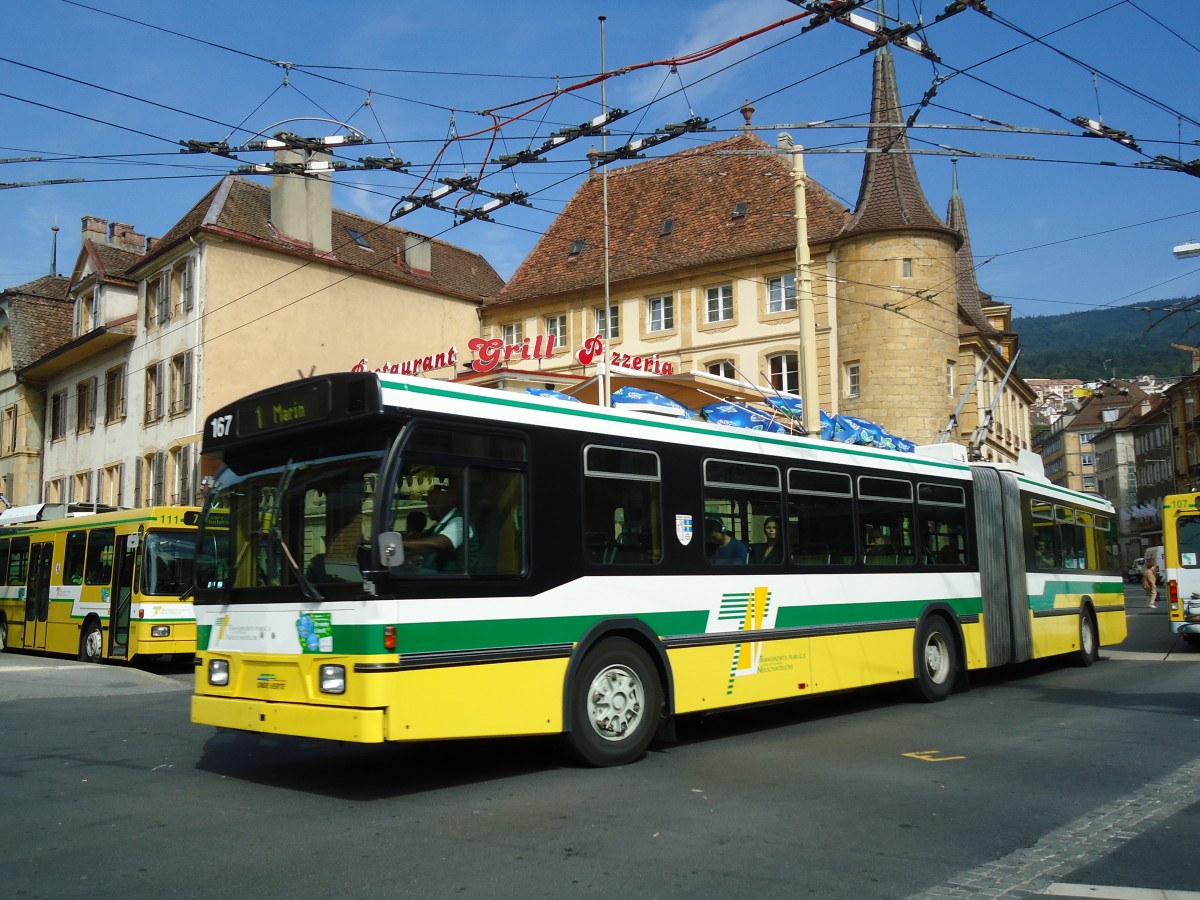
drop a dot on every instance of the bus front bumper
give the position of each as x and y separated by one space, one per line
365 726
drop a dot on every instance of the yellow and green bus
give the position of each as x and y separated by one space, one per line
414 560
1181 563
101 586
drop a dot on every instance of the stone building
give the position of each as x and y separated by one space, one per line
702 277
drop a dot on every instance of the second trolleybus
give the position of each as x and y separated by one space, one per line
413 560
101 586
1181 563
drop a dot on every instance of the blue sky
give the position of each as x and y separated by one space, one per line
1058 232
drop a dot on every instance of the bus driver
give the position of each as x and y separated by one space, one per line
442 545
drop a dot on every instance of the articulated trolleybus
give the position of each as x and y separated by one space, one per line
101 586
413 560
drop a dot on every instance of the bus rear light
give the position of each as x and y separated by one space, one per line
333 679
218 672
1173 595
141 614
160 631
389 637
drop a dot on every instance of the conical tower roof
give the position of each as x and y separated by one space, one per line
890 196
967 286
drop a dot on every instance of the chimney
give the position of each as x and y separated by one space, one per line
302 205
418 254
95 229
123 236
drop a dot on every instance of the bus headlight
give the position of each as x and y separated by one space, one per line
218 672
160 631
333 679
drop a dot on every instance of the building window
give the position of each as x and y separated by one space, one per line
660 313
5 349
513 333
54 491
719 304
1087 459
10 429
81 488
58 416
784 372
85 405
556 327
181 466
181 383
187 286
155 388
722 369
781 293
114 394
87 312
906 268
853 380
158 299
951 387
154 489
112 484
608 325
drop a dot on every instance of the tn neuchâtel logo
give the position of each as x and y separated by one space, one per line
752 611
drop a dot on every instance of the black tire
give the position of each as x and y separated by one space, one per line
616 704
3 634
934 661
1089 640
91 643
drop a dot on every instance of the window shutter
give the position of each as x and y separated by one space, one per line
138 467
120 485
187 381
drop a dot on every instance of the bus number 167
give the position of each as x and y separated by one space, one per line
221 425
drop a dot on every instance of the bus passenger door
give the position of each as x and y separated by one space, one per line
122 594
37 597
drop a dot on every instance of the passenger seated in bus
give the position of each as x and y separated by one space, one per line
723 548
441 546
878 550
1042 555
771 550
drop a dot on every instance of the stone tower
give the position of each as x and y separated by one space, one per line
898 321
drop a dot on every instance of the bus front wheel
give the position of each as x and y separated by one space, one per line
615 704
1089 644
935 665
3 633
91 644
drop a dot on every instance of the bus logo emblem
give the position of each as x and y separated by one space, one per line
752 612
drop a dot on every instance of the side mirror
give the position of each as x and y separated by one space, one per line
391 549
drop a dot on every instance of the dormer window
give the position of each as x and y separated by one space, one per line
87 313
668 226
359 238
739 211
576 247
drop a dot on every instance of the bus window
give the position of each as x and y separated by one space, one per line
73 561
1043 554
886 517
739 499
3 558
820 518
622 506
167 561
942 513
18 560
1187 531
100 556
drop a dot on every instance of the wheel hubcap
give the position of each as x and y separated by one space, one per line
614 702
92 647
937 658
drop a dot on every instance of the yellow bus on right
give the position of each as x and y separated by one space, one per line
1181 558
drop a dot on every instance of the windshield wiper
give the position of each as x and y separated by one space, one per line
306 587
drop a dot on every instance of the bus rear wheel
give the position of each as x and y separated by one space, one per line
91 644
935 664
3 633
1089 644
616 702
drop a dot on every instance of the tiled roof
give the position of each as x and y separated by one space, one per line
113 263
238 208
890 196
39 318
699 191
1120 395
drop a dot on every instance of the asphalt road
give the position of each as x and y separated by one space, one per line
1038 778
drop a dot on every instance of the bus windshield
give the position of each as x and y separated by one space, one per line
305 524
167 562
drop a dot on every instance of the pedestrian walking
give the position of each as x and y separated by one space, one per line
1150 585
